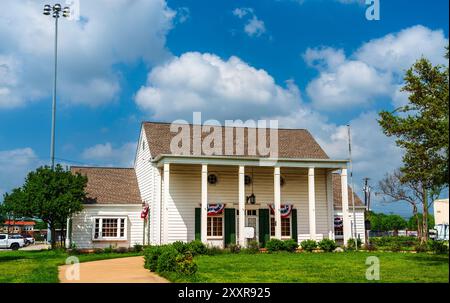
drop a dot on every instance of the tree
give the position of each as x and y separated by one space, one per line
51 195
394 222
412 222
422 130
393 189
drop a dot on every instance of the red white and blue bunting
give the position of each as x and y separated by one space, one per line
285 209
215 209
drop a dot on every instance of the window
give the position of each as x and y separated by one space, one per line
285 226
215 224
110 228
2 237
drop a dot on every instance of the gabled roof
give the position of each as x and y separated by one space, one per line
110 185
292 143
337 194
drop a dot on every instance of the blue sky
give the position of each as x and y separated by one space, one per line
320 63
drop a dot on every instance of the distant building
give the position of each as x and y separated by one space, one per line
441 218
18 227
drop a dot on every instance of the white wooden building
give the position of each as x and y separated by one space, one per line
217 198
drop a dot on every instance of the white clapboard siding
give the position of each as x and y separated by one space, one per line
185 196
359 214
83 224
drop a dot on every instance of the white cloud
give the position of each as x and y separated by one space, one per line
183 14
14 166
374 71
254 27
88 48
218 88
106 154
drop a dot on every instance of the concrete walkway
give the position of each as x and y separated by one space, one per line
121 270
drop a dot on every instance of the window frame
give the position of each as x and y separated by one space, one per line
290 227
212 228
100 227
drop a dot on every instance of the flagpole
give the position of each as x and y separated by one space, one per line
351 184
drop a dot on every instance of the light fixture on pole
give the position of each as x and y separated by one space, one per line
56 11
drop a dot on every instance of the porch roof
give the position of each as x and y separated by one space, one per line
250 161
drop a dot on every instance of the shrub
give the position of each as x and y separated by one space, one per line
196 247
185 264
438 247
252 247
138 247
404 241
151 255
421 247
327 245
275 245
121 250
180 246
109 249
167 261
395 247
351 244
98 251
234 248
308 245
370 247
290 245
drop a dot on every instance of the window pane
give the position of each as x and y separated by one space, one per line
109 227
122 228
285 227
272 226
209 227
96 230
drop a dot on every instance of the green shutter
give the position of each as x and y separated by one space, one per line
198 220
230 226
264 226
294 225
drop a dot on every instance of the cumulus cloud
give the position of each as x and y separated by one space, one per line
254 27
88 48
14 166
218 88
374 71
106 154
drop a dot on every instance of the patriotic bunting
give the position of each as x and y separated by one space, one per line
285 209
215 209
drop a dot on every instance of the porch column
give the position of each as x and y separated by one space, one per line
345 213
165 225
242 241
277 201
330 205
312 204
204 209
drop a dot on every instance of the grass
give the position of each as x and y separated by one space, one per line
317 267
41 266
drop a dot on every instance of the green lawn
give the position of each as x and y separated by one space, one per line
40 266
317 267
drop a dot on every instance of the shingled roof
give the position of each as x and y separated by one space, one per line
108 185
337 194
292 143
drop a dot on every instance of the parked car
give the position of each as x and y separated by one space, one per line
28 239
13 242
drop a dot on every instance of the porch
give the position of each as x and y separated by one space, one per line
205 201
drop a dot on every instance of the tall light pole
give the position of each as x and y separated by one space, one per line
56 11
